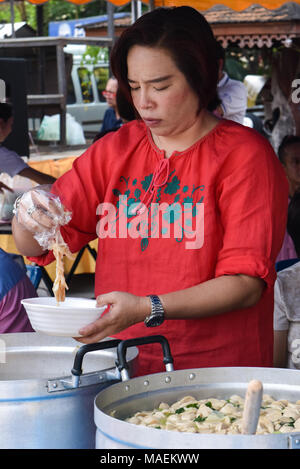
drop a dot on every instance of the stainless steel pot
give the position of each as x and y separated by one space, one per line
146 393
43 403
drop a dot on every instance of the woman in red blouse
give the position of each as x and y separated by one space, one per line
189 210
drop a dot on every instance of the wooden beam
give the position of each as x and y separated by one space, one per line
54 41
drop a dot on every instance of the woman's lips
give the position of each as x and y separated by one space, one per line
152 122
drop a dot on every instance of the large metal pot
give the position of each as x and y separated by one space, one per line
147 392
43 403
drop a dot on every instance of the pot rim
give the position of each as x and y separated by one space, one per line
158 386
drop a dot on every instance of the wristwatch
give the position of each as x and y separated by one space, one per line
157 315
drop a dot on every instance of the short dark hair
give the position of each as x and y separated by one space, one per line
5 111
293 222
125 110
187 36
286 141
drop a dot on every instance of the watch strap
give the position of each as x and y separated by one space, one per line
157 315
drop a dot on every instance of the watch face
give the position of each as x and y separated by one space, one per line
155 320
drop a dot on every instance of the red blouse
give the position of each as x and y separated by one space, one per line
217 208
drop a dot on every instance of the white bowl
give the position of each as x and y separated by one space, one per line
65 319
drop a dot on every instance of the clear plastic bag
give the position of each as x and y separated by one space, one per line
7 200
42 213
19 185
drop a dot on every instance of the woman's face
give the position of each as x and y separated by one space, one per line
111 91
160 91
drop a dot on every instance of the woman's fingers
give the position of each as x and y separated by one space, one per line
95 331
46 201
124 311
39 211
34 219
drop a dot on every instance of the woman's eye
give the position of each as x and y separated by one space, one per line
162 88
135 88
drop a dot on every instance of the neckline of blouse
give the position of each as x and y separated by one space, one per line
161 153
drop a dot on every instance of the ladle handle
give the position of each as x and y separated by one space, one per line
124 344
252 407
77 366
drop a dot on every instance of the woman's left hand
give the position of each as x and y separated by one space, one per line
125 310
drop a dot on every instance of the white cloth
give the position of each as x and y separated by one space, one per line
10 162
233 95
287 310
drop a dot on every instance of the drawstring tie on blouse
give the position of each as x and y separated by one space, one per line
163 165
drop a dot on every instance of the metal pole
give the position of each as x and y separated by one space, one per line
134 15
151 5
12 18
139 9
40 20
110 20
110 8
62 89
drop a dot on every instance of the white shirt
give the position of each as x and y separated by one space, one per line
233 95
10 162
287 310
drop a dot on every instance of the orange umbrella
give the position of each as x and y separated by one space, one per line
198 4
40 2
77 2
234 4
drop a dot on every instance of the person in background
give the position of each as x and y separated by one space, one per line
14 287
289 156
10 162
125 111
287 299
111 119
203 274
232 93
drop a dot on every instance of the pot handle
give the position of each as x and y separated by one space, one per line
122 364
77 366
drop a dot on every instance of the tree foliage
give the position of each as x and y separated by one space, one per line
53 10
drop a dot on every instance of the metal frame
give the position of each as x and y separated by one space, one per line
59 42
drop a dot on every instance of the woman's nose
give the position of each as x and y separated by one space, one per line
145 100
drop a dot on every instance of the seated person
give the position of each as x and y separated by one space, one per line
10 162
232 93
289 156
287 300
111 119
14 287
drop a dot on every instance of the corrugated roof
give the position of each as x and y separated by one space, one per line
255 13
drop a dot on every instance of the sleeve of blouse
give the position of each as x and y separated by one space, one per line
281 322
252 196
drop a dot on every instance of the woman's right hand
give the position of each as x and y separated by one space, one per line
37 210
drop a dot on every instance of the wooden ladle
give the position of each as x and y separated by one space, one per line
252 407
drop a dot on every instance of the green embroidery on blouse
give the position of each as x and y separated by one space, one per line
179 212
